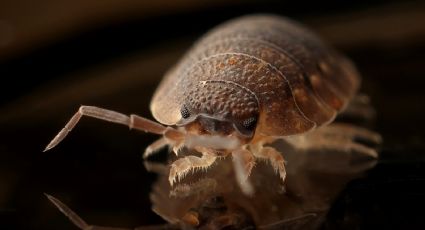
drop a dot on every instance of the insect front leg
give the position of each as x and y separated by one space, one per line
247 161
155 147
182 166
243 162
274 156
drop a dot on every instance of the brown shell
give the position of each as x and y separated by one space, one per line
298 81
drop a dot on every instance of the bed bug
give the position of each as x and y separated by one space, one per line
245 84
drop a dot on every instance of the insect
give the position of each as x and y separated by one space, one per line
245 84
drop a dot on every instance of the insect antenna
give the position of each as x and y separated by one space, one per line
132 121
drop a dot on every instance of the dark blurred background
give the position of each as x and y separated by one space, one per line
57 55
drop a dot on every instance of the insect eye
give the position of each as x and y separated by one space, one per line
250 123
185 112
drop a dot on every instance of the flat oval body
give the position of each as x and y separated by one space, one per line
297 81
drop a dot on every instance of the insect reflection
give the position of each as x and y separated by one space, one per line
213 200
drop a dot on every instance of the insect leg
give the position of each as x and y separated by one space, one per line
359 108
243 162
340 137
351 132
247 159
342 146
275 158
182 166
155 147
133 121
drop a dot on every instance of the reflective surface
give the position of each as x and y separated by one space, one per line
213 199
314 180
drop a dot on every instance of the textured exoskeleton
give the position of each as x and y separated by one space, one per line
245 84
